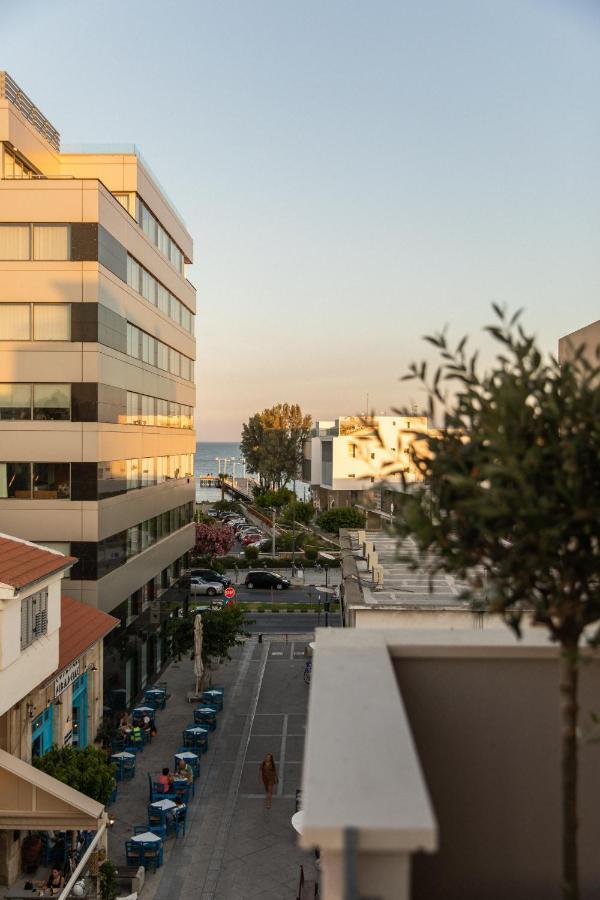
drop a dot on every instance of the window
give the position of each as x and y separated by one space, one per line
133 408
133 474
15 480
51 481
174 415
148 415
148 287
163 299
174 363
133 274
51 242
15 402
15 242
133 341
14 166
15 321
34 617
127 201
51 322
134 540
163 357
52 401
148 471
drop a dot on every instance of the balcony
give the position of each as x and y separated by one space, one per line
432 766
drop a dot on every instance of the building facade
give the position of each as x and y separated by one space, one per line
588 337
50 670
346 459
97 389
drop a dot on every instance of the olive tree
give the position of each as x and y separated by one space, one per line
511 504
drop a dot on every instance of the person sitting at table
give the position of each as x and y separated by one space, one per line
148 724
165 779
184 770
124 726
54 882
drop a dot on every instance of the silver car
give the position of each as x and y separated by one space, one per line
200 586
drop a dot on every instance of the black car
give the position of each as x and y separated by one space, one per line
260 579
211 575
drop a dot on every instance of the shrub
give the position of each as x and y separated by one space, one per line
300 511
332 520
214 540
310 553
87 770
251 553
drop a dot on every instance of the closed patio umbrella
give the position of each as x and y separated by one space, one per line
198 666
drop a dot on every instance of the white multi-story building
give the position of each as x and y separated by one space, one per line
344 458
50 693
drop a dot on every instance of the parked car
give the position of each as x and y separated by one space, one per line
207 588
212 512
259 579
211 575
252 539
244 531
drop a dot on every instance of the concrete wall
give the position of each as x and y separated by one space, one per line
487 733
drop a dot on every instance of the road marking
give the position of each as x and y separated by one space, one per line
282 755
276 653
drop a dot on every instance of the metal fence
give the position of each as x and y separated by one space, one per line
10 90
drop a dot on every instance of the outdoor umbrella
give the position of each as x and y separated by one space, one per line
198 667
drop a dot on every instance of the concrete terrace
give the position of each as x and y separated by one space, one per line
401 583
234 847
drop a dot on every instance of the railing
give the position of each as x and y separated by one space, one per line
10 90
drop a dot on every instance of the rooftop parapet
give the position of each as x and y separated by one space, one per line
10 90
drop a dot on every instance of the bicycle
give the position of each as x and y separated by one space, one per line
308 671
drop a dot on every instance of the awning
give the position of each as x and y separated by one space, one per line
31 799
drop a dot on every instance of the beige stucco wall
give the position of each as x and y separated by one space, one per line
487 733
588 336
22 670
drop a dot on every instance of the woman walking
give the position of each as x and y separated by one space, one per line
268 774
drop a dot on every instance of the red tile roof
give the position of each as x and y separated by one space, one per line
80 627
23 563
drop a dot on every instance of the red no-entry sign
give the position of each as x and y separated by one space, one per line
229 592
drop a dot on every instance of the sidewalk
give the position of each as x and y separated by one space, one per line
234 847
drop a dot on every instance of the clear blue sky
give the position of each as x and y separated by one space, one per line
354 174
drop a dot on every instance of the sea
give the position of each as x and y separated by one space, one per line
213 457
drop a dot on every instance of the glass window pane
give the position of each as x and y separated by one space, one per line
15 319
163 299
14 241
148 414
15 401
133 274
15 480
175 311
51 481
173 361
174 415
133 474
148 287
9 164
52 322
50 241
52 401
163 357
145 347
133 341
133 408
148 471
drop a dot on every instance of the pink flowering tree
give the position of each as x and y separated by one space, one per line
213 540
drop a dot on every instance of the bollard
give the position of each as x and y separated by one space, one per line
260 637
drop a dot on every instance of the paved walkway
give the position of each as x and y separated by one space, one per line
234 848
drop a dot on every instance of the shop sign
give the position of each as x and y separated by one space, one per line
66 677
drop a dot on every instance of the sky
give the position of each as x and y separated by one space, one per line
354 174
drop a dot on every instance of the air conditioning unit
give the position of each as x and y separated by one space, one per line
378 576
